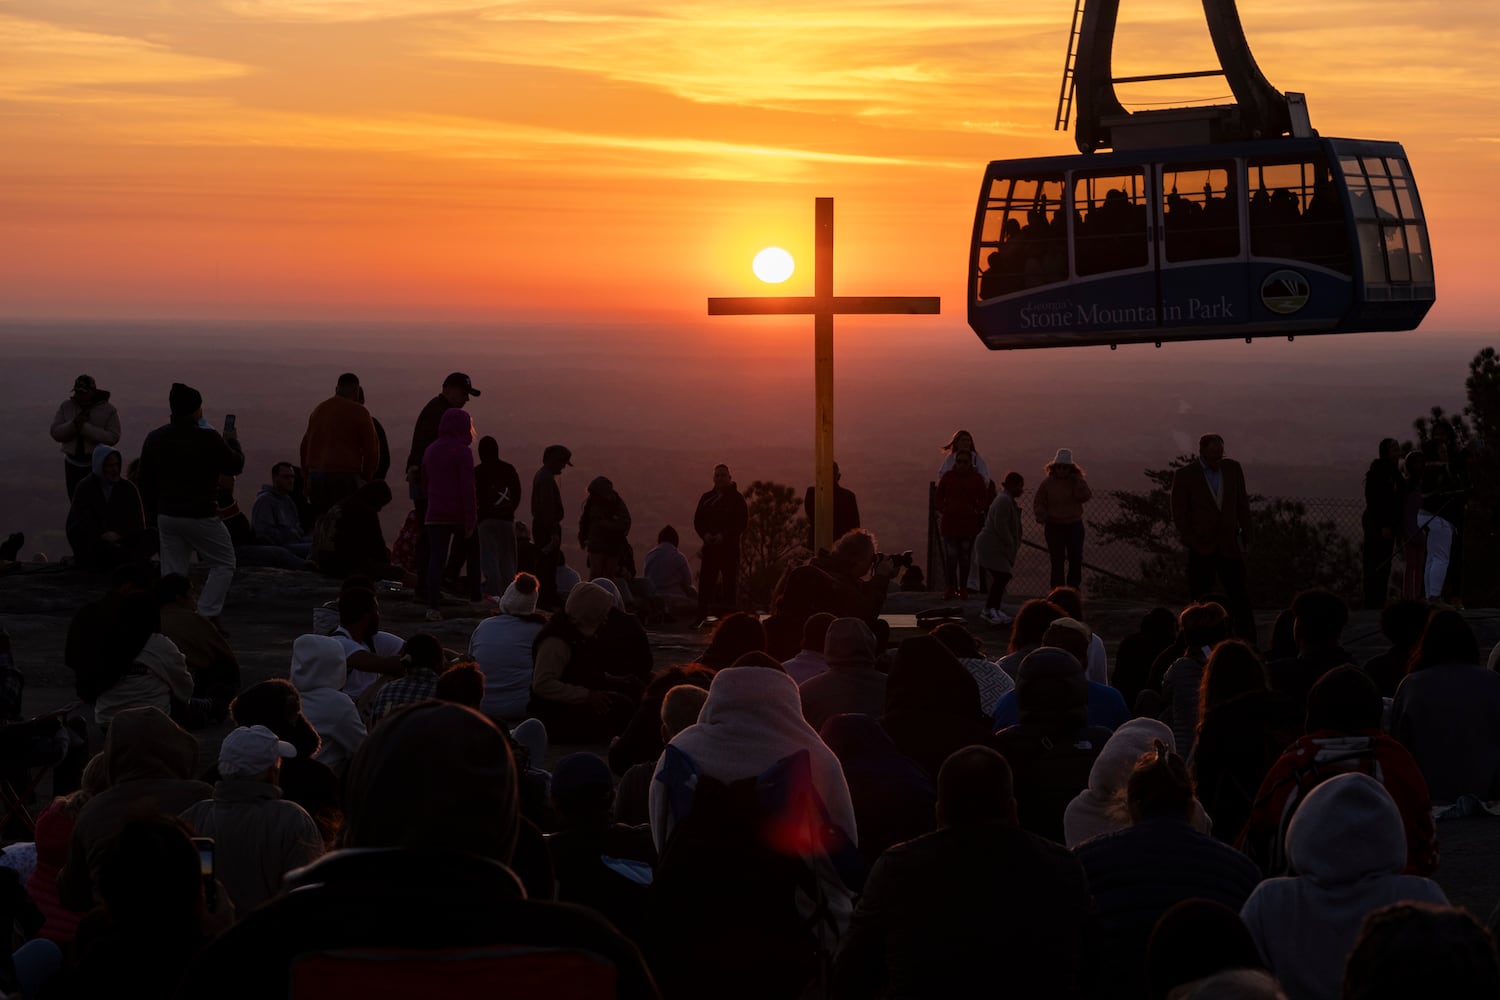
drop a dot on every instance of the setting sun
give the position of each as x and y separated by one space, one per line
773 265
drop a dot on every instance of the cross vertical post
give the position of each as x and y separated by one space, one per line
823 377
823 305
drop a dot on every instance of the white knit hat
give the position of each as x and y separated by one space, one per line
1064 457
514 602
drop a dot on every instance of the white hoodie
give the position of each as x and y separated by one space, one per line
318 673
166 676
1348 842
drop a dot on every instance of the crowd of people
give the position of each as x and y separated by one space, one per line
808 808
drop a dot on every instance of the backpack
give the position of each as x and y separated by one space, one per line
1266 845
740 905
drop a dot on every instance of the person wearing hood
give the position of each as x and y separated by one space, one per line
852 682
1104 806
1343 735
1381 520
432 826
720 520
158 673
932 704
1162 857
751 722
181 464
893 797
621 639
106 524
1052 750
274 518
149 762
318 672
978 908
498 489
576 690
258 836
502 644
1347 845
456 392
452 504
603 528
85 420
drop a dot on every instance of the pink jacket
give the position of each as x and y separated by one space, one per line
448 473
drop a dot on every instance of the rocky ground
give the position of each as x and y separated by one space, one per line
268 609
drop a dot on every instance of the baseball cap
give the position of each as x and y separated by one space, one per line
85 383
251 750
459 378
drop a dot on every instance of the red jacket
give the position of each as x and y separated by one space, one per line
1320 755
963 498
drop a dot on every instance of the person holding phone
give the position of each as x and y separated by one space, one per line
181 463
249 836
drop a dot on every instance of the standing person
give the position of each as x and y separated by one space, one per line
603 528
1413 537
340 449
1211 511
546 521
1381 520
498 486
452 504
106 523
845 511
83 421
963 498
1435 518
1059 509
720 521
457 388
180 468
960 442
999 543
1456 506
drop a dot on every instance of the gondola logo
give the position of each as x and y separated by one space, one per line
1284 292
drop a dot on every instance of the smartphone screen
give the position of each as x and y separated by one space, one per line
205 846
228 423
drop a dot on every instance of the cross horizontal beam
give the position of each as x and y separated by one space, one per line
832 305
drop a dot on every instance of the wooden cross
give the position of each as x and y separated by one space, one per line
823 305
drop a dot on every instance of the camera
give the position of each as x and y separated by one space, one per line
901 560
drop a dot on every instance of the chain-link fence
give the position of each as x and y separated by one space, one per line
1302 542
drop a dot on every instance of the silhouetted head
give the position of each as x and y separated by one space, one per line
1234 668
960 641
1446 639
1204 625
723 481
1211 450
462 684
1345 699
1031 623
489 449
960 441
375 494
1421 950
668 536
679 709
1159 786
1402 622
1195 939
1320 618
348 387
150 877
1390 449
733 637
975 786
815 631
457 389
1069 599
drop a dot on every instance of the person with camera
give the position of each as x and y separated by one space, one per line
851 580
1059 509
962 500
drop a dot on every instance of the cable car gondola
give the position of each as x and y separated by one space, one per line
1197 223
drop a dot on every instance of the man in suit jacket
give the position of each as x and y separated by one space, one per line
1211 510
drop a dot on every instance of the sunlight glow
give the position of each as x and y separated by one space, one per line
773 265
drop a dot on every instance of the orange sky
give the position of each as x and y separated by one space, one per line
596 159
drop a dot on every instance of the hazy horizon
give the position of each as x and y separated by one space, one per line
655 411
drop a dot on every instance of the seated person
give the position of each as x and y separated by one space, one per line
106 524
215 670
846 583
274 518
248 550
348 540
423 656
318 674
156 675
574 689
368 651
670 575
502 646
